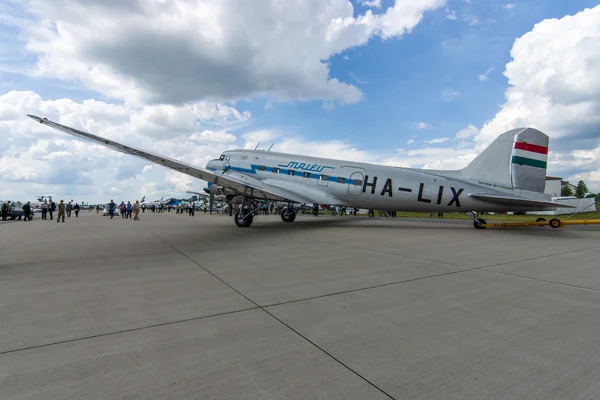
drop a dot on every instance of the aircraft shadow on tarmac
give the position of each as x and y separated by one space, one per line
408 225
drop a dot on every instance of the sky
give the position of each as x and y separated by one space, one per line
410 83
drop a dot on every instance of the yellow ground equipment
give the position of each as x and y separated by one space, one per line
554 223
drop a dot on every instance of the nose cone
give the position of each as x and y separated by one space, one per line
214 165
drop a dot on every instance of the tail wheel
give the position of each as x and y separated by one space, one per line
480 224
555 223
243 222
288 215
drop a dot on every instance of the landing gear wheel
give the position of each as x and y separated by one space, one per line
288 215
554 223
243 222
479 224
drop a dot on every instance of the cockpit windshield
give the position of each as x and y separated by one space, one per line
222 157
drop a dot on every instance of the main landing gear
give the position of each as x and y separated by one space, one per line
244 216
243 219
288 214
478 223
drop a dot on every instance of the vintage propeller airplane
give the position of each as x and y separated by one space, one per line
509 175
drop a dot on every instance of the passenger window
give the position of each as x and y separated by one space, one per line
275 170
341 180
307 174
324 177
261 167
291 172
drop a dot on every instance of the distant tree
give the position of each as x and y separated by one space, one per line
566 191
581 190
593 196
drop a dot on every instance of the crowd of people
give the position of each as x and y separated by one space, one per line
129 210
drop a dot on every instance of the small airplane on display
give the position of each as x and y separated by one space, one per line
509 175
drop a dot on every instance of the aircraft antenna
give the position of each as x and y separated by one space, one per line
256 145
271 146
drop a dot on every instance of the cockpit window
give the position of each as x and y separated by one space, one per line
222 157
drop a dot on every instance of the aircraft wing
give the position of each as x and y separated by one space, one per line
518 201
238 182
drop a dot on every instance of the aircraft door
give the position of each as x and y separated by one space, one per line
353 182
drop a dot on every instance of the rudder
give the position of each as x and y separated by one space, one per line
529 160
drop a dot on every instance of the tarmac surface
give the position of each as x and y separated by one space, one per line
183 307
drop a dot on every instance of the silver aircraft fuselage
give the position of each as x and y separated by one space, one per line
363 185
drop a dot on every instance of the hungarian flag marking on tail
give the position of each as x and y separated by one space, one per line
529 154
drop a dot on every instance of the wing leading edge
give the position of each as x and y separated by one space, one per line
240 183
518 201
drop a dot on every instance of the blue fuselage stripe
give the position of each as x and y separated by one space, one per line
284 171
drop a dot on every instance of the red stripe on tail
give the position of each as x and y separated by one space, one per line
531 147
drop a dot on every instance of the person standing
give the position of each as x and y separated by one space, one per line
111 208
69 208
76 208
5 211
26 211
136 211
51 208
45 209
61 211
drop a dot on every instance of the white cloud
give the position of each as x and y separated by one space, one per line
422 125
555 87
252 139
328 106
410 141
450 94
509 6
184 51
35 159
357 79
467 132
471 19
371 3
437 140
484 76
213 137
451 15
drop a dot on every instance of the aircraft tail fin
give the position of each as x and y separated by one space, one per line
517 158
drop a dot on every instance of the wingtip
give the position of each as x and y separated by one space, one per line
38 119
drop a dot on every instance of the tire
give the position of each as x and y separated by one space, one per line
245 222
288 215
479 224
554 223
